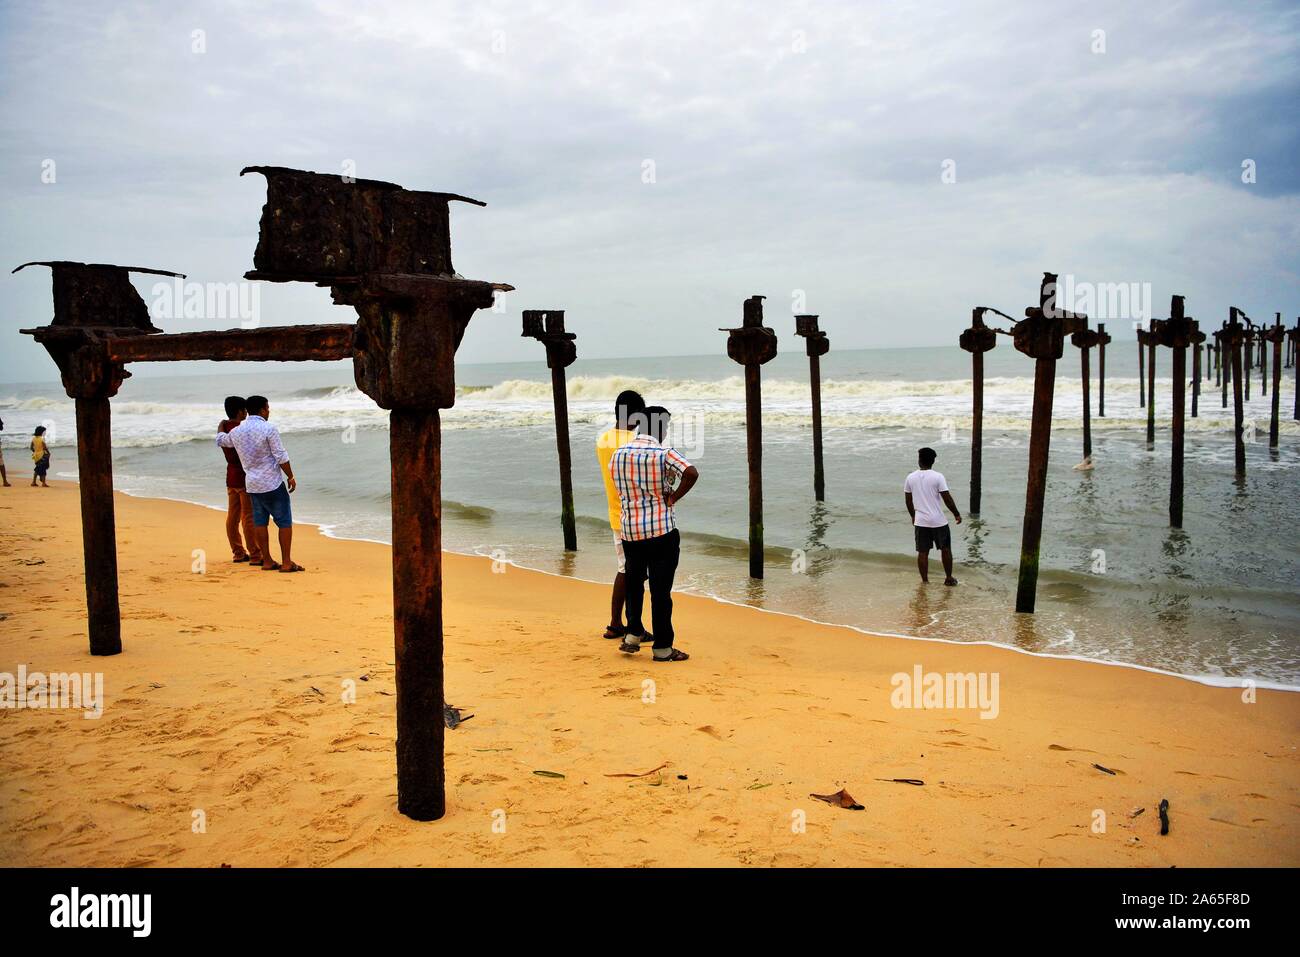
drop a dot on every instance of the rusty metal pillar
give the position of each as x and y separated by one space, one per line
95 303
1274 335
1196 377
1142 368
977 340
386 252
1293 336
547 327
1247 349
1103 340
1178 332
817 345
1263 334
752 344
1151 387
1086 339
1235 337
1041 336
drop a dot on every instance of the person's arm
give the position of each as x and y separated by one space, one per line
281 456
911 509
687 475
952 506
224 440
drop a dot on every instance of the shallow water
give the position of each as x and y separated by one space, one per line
1217 598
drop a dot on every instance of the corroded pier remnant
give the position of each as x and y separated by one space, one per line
547 327
817 345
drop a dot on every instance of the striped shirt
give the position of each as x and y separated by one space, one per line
260 452
643 471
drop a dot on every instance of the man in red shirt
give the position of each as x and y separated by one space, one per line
239 507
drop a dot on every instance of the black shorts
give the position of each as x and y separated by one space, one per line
927 538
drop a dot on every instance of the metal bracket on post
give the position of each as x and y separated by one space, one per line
94 304
386 252
547 327
752 344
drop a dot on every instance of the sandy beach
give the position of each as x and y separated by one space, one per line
228 700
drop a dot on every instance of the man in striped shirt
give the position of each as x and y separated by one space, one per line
651 478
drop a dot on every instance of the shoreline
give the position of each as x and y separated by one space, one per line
227 701
1212 681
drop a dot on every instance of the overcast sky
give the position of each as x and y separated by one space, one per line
798 148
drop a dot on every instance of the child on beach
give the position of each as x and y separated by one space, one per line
40 456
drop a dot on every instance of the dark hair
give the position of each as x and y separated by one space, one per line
926 457
255 404
235 404
657 421
40 430
628 404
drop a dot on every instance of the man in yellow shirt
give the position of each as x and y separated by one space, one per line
629 408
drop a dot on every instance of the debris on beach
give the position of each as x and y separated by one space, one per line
1136 811
915 781
1164 816
452 716
840 798
1107 770
549 774
638 774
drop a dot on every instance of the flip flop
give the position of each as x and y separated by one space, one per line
239 561
675 656
612 632
273 567
293 567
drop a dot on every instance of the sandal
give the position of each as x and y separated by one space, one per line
631 649
675 656
293 567
238 561
273 567
615 631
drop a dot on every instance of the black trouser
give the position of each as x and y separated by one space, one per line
658 556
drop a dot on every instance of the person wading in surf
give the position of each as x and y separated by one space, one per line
926 492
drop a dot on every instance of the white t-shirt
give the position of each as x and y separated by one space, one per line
925 486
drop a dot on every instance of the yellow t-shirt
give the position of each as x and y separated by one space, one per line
609 442
38 448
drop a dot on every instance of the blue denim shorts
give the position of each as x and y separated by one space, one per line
272 505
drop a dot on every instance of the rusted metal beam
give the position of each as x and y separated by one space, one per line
817 345
1103 340
1196 377
752 344
1234 337
1293 336
313 343
1041 336
1142 368
977 340
1151 387
547 326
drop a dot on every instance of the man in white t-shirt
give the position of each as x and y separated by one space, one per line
926 493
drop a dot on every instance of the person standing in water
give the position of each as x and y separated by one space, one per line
926 492
40 456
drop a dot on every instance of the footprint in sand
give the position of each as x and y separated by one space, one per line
711 731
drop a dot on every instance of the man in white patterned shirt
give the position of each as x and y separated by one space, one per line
644 473
262 454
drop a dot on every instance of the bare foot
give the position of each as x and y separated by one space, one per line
950 580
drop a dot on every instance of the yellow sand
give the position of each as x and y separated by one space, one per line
227 700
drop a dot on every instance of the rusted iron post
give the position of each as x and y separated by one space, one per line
1247 348
1103 340
1274 335
753 344
1142 368
1262 333
1235 337
547 327
817 345
386 252
1177 333
1196 377
977 340
1150 341
1041 336
1293 336
1084 340
95 303
1218 361
1225 361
